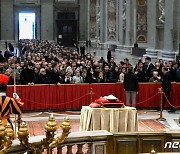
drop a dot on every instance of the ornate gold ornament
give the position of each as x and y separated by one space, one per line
47 143
6 137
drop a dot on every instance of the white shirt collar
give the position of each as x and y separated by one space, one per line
2 94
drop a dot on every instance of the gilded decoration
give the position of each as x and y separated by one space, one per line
49 142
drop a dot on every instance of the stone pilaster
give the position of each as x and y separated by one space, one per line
47 20
120 19
151 28
128 23
112 24
7 18
168 52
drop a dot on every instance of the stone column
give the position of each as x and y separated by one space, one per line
106 19
98 16
151 28
7 20
102 20
120 19
88 19
168 53
83 19
128 23
47 20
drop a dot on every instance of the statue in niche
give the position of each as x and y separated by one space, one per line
162 11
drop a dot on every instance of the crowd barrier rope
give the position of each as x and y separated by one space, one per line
147 99
59 104
176 107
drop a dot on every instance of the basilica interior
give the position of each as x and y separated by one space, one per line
57 117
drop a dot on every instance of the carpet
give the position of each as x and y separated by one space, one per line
145 125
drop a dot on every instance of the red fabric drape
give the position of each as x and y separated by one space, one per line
73 97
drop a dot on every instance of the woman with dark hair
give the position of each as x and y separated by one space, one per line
8 105
89 77
114 74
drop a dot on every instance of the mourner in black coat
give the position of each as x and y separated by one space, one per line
148 67
131 86
54 75
130 81
166 86
27 74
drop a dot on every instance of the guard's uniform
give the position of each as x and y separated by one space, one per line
7 106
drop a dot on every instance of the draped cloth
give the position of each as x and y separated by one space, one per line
74 96
110 119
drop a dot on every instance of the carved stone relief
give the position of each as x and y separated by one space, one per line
111 27
142 21
161 11
92 21
124 14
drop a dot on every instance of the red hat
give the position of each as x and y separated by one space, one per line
4 79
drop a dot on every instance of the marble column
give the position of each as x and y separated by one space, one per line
112 21
128 23
151 28
168 52
7 18
47 23
92 19
120 19
102 21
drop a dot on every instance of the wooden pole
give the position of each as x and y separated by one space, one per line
15 118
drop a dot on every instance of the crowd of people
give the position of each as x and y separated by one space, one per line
42 62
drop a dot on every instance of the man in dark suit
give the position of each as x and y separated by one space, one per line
140 72
131 86
54 74
148 67
1 57
109 55
82 49
166 87
27 75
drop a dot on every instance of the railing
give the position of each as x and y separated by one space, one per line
46 143
77 142
103 142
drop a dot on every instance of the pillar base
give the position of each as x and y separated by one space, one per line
151 53
167 55
124 48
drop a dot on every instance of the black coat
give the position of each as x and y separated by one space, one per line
148 71
1 58
26 76
130 82
166 82
114 76
108 56
54 77
141 75
44 79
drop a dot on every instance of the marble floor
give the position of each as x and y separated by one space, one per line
119 56
146 121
